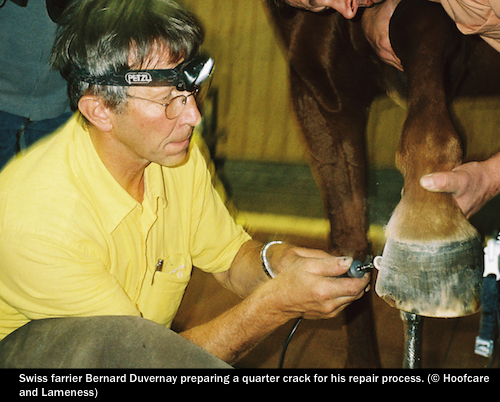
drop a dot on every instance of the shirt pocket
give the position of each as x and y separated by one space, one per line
160 300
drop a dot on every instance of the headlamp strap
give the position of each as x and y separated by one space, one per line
187 76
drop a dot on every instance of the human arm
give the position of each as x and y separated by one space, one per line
471 17
375 24
472 184
307 285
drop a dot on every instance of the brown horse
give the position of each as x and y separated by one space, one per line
432 261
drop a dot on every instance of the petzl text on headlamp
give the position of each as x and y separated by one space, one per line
187 76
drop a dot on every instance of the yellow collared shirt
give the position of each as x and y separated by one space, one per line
73 242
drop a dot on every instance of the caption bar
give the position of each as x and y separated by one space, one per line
35 383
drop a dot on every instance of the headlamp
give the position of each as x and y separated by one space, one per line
187 76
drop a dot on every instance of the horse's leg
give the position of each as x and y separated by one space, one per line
335 143
335 148
432 261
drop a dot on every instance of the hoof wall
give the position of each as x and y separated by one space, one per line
441 279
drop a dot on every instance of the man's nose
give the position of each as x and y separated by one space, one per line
192 112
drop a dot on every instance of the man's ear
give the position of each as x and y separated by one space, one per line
96 112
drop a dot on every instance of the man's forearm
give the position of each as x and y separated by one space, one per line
235 332
246 272
307 285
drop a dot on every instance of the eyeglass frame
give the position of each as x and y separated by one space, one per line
167 104
193 76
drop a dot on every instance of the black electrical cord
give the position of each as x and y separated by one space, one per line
285 346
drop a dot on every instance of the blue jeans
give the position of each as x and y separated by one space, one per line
17 133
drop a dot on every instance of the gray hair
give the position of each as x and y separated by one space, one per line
104 36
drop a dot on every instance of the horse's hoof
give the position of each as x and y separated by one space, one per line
438 279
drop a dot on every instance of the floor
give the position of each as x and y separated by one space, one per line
282 201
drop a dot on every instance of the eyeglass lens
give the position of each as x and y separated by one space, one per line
176 105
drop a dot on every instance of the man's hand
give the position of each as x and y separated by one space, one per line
310 286
375 23
307 285
472 184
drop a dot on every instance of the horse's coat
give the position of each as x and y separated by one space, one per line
334 77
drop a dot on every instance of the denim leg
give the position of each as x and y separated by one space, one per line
10 127
35 130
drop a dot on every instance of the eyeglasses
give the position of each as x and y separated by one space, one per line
175 106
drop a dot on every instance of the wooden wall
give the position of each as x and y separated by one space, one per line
477 119
255 119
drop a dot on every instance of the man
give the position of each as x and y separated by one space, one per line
472 184
108 216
